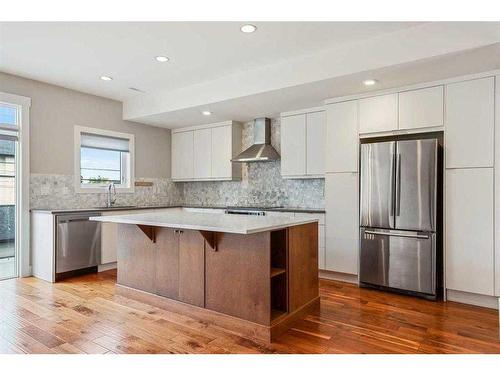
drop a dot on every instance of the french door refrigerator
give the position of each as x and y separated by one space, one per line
398 197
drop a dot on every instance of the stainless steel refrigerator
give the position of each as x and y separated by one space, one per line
398 207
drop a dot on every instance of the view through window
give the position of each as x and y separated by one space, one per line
8 142
104 160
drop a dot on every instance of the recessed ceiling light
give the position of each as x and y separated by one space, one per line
369 82
206 113
162 58
106 78
248 28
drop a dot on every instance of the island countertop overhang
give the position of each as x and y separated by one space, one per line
238 224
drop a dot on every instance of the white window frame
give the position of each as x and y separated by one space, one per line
22 181
106 133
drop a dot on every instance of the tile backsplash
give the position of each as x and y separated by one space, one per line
58 192
261 185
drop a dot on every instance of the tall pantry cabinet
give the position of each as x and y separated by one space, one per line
341 188
469 174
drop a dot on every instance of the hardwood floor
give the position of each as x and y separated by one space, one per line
82 315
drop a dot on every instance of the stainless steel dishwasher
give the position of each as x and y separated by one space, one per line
78 244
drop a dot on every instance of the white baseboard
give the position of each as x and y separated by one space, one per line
106 267
338 276
472 299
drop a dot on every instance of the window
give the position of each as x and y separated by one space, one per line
8 116
103 157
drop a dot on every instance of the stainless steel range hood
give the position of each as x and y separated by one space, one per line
261 150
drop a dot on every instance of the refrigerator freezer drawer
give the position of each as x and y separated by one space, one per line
398 259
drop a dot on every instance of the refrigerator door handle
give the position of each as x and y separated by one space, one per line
419 236
398 184
393 179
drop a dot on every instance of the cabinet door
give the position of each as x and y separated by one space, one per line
469 230
238 277
167 263
222 152
342 137
202 152
109 242
378 113
315 143
192 267
293 145
342 224
182 155
470 123
421 108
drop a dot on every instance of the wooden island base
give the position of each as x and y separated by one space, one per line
235 325
254 285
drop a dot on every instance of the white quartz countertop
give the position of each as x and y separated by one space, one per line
240 224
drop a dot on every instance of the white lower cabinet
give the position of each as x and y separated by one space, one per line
342 224
469 230
109 240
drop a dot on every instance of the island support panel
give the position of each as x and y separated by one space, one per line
254 285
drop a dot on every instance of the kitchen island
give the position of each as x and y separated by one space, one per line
252 275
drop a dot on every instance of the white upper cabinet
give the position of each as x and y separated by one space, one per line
470 123
378 113
303 145
315 143
342 224
205 152
469 230
342 137
222 146
182 155
202 153
421 108
293 145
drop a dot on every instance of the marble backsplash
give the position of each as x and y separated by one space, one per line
58 192
261 184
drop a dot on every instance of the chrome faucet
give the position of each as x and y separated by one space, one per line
111 201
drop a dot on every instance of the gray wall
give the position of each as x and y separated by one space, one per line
56 110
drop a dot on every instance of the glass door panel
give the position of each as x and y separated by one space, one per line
8 212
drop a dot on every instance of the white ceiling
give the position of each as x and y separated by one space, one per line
76 54
281 67
272 103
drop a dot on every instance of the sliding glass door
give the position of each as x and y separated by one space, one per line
9 212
